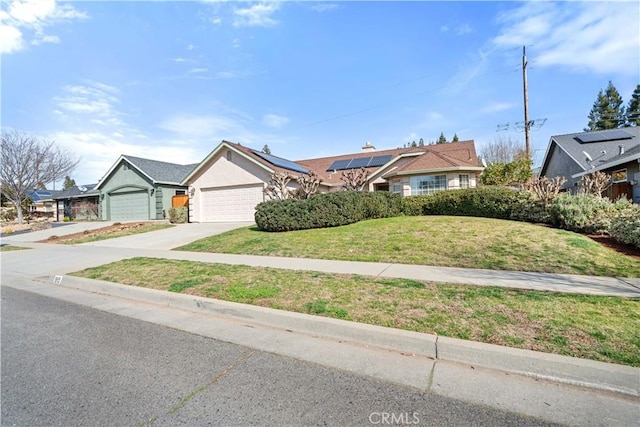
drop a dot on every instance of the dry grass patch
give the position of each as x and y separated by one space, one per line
593 327
109 232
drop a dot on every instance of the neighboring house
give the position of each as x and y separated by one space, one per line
80 202
614 151
229 183
140 189
42 201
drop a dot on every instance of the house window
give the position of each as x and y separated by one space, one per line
229 155
397 188
619 175
428 184
180 192
464 181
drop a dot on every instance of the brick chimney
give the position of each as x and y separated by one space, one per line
368 148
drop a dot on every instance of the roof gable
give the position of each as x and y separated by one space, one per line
156 171
600 151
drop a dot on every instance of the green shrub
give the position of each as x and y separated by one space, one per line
529 208
585 213
178 215
66 219
625 227
489 202
326 210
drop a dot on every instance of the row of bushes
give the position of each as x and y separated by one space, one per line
582 213
326 210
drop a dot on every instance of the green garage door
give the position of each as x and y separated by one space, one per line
131 206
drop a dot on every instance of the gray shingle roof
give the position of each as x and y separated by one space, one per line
574 147
162 172
78 191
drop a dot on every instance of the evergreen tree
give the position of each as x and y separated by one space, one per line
266 149
68 183
633 109
413 144
442 139
421 143
607 111
455 137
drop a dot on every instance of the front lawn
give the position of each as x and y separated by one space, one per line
592 327
437 241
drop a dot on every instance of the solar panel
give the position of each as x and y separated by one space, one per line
380 160
339 165
281 163
607 135
362 162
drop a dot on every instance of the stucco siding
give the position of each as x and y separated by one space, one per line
561 164
223 171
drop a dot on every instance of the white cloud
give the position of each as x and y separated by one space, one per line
463 29
444 28
275 121
28 19
179 59
10 39
257 15
324 7
198 70
582 36
496 107
225 75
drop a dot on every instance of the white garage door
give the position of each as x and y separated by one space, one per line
230 204
129 206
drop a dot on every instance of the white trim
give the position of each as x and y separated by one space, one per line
609 165
432 171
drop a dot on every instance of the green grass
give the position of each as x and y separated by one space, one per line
592 327
112 235
436 241
9 248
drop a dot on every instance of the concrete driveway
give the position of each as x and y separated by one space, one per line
162 239
170 238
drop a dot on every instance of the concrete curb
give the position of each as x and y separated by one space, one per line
599 376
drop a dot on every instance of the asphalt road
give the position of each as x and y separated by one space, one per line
66 364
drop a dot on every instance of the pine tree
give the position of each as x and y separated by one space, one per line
607 111
421 143
442 139
413 144
68 182
455 137
266 149
633 109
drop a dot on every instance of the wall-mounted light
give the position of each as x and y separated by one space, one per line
151 191
192 191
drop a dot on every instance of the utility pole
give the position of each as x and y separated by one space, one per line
526 104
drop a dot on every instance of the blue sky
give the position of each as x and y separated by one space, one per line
170 80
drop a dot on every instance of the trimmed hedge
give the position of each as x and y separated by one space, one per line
178 215
326 210
625 227
488 202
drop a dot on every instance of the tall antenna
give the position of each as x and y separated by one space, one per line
526 104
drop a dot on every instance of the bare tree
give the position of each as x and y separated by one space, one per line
546 188
354 179
501 150
595 183
278 189
28 161
308 185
